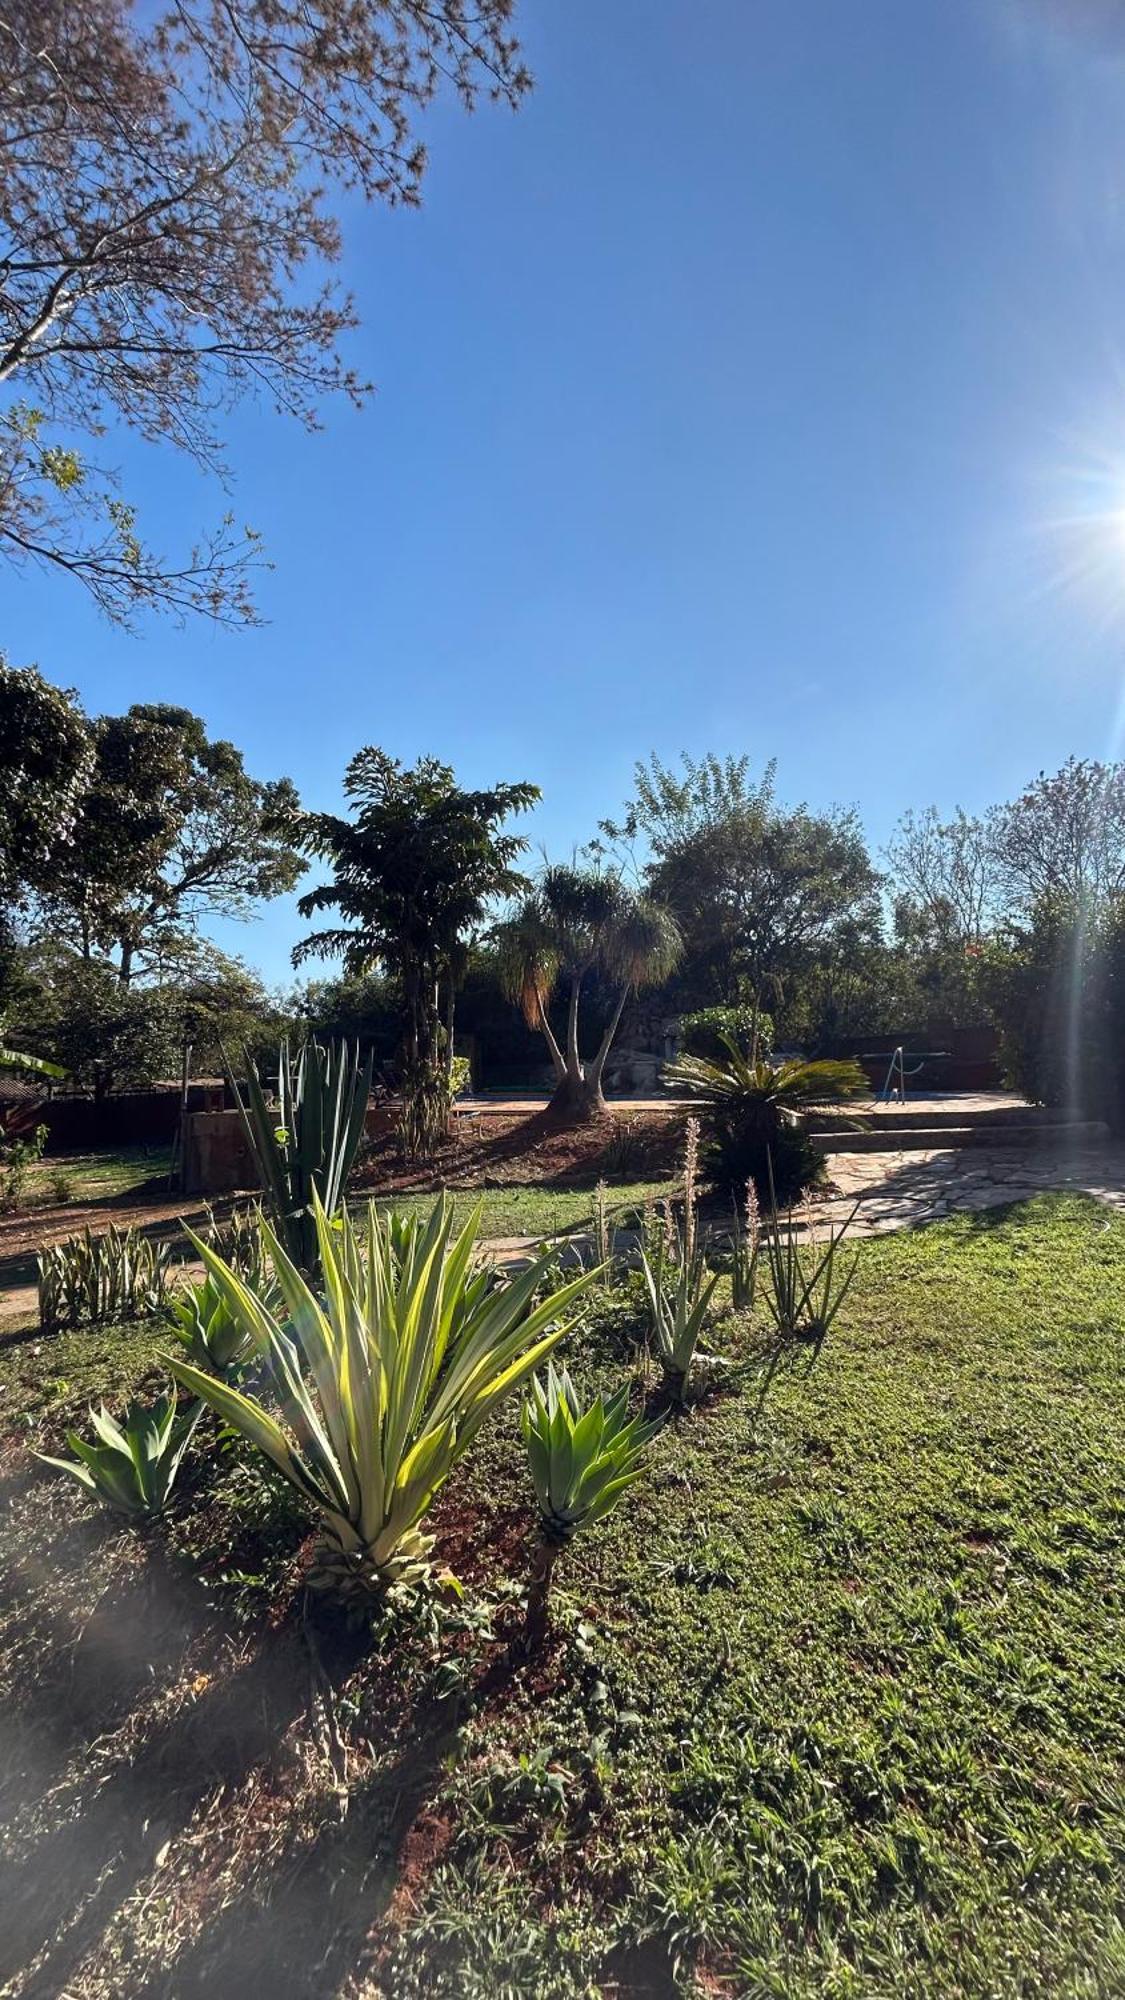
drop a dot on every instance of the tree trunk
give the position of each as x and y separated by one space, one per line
538 1621
579 1097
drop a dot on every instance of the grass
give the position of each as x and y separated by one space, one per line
536 1211
836 1708
100 1175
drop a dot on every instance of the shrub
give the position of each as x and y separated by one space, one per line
710 1031
132 1466
90 1279
384 1380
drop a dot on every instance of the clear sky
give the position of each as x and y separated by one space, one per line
759 386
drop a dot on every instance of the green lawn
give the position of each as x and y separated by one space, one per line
94 1175
838 1708
534 1210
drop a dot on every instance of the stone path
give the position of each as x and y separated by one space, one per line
900 1190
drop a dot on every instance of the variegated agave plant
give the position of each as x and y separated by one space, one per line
384 1378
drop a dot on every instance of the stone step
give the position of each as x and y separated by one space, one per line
886 1138
930 1117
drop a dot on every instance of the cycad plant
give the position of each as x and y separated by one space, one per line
384 1380
132 1466
756 1109
306 1145
581 1462
805 1289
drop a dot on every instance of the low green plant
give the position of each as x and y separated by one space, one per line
210 1334
132 1466
89 1279
805 1290
581 1462
384 1377
238 1241
746 1243
677 1280
17 1157
61 1184
305 1145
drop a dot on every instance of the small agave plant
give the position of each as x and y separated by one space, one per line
581 1462
210 1334
132 1466
678 1282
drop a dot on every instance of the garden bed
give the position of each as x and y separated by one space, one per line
836 1707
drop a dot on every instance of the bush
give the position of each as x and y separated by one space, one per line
710 1031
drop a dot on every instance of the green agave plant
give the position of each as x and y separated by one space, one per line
679 1288
306 1145
132 1466
207 1329
581 1462
384 1378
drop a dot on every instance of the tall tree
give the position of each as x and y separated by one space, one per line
413 872
45 759
167 238
578 923
170 829
761 892
947 872
1063 839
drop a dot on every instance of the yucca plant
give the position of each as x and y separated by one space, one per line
756 1109
806 1290
384 1379
746 1243
305 1145
581 1462
89 1279
132 1466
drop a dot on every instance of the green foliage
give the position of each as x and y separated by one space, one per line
132 1466
709 1031
89 1280
805 1290
746 1244
1055 987
385 1380
413 874
17 1157
679 1287
305 1146
754 1113
581 1459
209 1332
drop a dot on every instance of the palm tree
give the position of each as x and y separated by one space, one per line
577 922
413 871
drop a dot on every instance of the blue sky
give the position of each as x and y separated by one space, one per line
759 386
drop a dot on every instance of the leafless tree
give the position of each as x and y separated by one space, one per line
167 241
